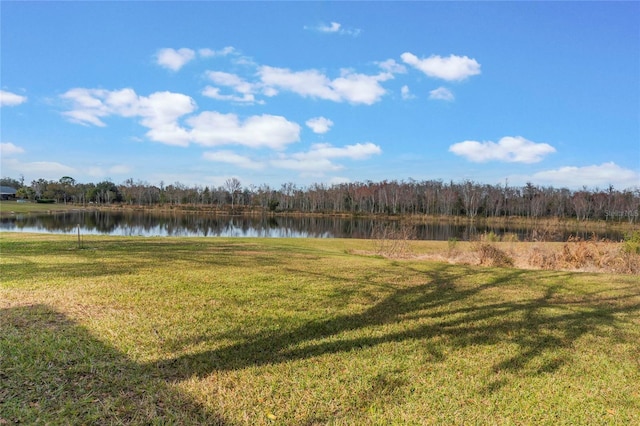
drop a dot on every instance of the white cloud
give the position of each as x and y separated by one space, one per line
90 105
591 176
392 66
175 59
231 80
350 87
317 160
406 93
209 53
8 148
360 88
87 107
319 125
212 128
214 93
508 149
310 83
161 113
451 68
233 159
235 82
358 151
11 99
335 28
441 93
315 167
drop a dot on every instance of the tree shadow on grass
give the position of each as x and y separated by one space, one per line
52 368
542 328
52 371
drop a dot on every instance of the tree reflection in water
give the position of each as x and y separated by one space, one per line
174 224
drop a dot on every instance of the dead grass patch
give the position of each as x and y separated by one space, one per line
585 255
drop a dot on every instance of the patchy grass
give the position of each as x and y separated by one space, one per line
303 331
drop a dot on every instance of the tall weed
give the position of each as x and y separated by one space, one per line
591 255
392 240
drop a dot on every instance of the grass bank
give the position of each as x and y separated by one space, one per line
9 208
305 331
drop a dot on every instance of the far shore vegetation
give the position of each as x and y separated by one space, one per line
418 200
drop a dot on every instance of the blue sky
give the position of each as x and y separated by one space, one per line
322 92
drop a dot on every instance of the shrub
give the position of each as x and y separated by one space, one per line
452 245
490 255
393 239
632 243
510 237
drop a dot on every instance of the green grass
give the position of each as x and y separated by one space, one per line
303 332
8 208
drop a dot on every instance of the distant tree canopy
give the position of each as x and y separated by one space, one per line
432 197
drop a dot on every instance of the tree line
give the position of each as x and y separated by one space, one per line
411 197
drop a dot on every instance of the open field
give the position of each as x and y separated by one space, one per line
304 332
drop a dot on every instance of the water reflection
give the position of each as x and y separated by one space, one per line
141 223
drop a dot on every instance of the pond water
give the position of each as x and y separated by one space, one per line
153 224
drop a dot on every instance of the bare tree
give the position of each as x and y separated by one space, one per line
234 186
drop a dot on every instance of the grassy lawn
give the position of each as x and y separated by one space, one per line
305 332
8 208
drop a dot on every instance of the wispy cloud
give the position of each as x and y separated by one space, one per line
11 99
592 176
508 149
8 148
209 53
406 93
391 66
245 91
101 172
320 158
175 59
334 28
442 94
234 159
43 169
450 68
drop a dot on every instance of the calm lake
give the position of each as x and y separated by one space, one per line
153 224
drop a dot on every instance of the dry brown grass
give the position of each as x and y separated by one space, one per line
585 255
574 255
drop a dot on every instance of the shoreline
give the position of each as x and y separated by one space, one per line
548 223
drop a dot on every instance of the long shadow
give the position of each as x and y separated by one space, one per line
52 371
440 308
52 368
